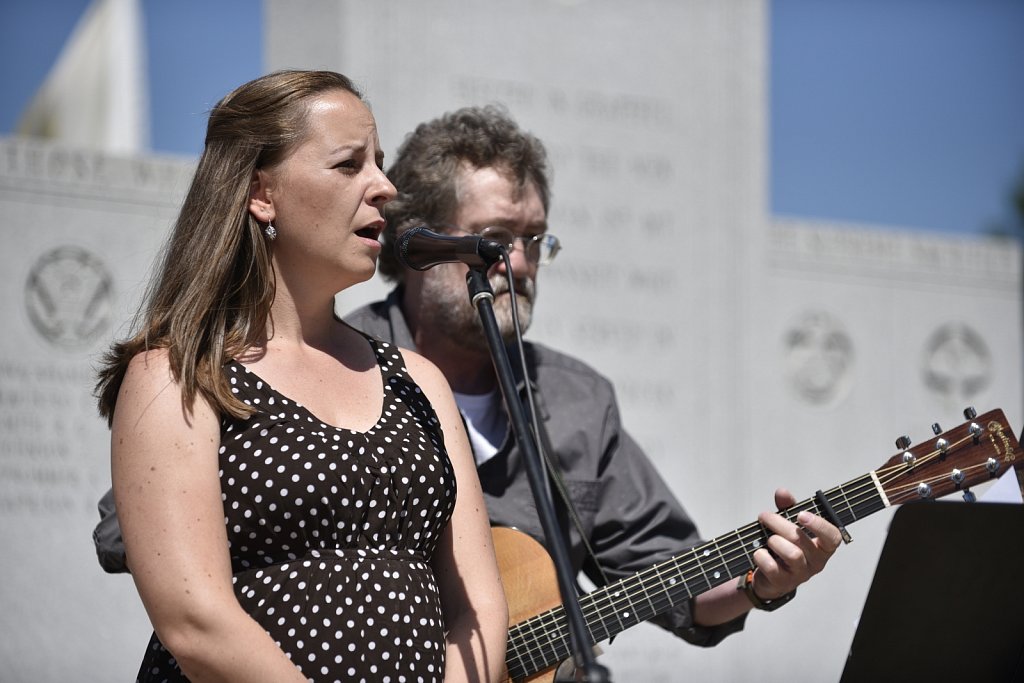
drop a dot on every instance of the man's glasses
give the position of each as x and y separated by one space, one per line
540 249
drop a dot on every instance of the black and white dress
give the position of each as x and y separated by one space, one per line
331 531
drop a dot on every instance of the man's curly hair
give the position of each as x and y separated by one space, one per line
429 160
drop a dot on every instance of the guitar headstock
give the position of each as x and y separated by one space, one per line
978 450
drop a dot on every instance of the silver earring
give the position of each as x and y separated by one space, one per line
270 231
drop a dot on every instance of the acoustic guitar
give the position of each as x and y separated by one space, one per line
538 639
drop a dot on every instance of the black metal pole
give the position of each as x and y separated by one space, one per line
482 296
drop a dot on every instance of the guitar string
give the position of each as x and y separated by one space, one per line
556 647
645 576
545 620
553 651
656 609
898 470
527 636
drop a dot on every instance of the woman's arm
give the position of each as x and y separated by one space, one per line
167 489
475 611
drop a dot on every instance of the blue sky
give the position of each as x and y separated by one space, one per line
198 50
903 112
906 112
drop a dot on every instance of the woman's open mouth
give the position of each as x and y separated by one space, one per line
370 232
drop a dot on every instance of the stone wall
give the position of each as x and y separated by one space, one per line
80 232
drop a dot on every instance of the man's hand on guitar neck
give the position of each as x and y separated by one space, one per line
794 553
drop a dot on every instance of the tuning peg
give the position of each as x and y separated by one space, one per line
969 496
936 429
903 443
976 431
970 413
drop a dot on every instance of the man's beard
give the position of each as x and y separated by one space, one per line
446 305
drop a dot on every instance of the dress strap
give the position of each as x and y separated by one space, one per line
389 359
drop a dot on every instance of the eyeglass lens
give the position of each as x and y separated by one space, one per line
539 249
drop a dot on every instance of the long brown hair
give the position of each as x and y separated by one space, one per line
210 298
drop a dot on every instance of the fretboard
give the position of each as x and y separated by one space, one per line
543 640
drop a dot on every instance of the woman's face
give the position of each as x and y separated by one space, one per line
326 198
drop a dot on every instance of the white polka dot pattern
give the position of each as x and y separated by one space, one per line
331 531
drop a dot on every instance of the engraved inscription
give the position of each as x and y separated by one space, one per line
604 108
46 418
853 249
614 165
26 159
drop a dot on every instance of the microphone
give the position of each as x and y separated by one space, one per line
421 249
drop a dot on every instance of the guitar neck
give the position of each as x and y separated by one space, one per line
543 641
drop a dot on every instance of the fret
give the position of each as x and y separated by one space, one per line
870 497
620 605
646 589
677 587
754 537
844 511
720 573
664 589
603 603
595 618
517 668
555 640
665 585
546 634
626 610
742 556
790 513
698 588
531 650
542 637
555 647
846 505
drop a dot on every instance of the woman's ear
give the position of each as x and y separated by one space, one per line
260 205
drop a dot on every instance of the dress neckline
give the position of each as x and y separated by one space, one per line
291 402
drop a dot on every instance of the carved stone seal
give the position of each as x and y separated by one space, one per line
819 358
956 362
69 297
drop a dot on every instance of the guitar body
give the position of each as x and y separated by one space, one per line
529 578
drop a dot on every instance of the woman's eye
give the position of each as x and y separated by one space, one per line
348 164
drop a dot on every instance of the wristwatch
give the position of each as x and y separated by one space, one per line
746 584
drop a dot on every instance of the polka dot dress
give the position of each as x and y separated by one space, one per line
331 532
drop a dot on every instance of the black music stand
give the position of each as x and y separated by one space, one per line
947 599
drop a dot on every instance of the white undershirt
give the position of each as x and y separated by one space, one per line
486 423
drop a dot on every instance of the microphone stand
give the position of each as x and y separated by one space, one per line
482 297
